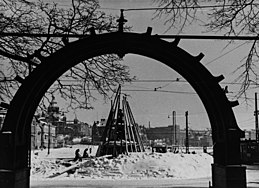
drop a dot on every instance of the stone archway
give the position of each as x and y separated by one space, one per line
15 134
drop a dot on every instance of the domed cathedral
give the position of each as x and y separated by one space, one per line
52 129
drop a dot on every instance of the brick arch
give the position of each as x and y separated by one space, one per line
15 133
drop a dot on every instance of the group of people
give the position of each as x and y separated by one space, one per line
79 157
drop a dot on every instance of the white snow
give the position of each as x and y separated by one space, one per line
146 165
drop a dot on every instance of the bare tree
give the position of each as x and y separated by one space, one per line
232 18
21 54
239 18
177 14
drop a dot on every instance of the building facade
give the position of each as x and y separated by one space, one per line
169 135
97 131
250 134
43 135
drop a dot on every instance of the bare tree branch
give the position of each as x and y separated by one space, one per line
177 14
227 17
99 74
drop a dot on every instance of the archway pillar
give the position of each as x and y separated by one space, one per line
17 178
14 163
7 149
227 170
225 176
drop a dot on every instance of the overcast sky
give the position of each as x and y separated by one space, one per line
155 106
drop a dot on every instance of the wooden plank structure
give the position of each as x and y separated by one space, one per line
121 133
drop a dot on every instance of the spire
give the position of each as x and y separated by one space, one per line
75 119
53 109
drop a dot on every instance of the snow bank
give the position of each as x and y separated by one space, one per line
164 165
41 168
136 165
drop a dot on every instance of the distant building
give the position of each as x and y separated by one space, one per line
143 134
42 134
61 125
97 131
53 126
169 135
250 134
197 138
78 129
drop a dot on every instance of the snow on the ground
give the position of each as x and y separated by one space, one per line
135 165
65 152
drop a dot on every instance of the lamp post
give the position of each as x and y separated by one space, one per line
174 140
174 126
49 139
256 112
186 133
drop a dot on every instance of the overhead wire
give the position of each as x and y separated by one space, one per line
200 37
162 81
139 90
158 90
195 6
160 36
164 8
165 91
176 8
213 60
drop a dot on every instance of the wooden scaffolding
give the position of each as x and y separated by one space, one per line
121 133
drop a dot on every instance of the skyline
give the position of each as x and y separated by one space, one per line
157 112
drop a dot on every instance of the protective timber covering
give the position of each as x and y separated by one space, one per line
121 133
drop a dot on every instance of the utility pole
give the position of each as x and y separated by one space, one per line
174 127
49 139
50 120
186 133
256 120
